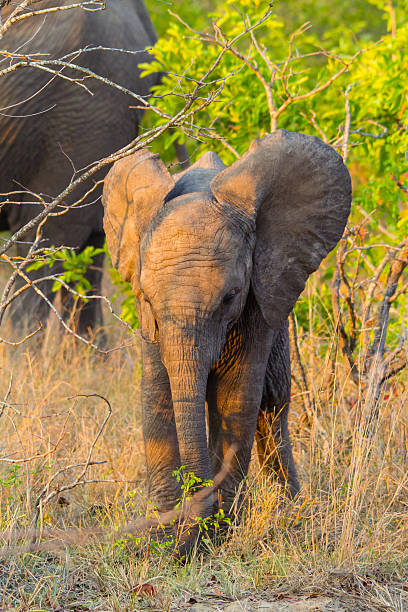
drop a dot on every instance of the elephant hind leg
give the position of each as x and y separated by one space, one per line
272 436
275 452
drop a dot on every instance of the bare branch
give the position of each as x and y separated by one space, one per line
186 513
397 267
347 124
399 184
20 12
307 403
46 496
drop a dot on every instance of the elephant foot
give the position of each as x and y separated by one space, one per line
179 540
184 539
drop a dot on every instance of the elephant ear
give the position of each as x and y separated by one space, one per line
133 193
298 191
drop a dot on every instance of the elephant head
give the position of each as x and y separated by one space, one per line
199 245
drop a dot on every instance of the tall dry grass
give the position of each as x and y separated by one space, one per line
346 534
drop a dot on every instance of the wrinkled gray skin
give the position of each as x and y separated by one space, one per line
43 137
217 258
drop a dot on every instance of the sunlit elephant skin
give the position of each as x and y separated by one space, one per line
50 127
217 258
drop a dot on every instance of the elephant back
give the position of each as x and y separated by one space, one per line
51 126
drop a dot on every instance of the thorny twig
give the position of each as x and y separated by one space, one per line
279 71
3 402
399 184
46 495
194 102
46 453
21 12
183 514
375 365
347 124
304 387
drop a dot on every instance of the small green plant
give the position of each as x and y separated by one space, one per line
122 543
166 537
75 266
189 483
212 524
124 290
11 479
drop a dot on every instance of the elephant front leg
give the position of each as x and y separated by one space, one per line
232 425
159 430
234 398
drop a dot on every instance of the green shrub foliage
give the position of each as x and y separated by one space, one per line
372 37
336 70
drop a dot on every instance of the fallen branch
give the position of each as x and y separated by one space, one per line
62 538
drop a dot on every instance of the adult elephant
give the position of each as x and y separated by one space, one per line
217 258
50 127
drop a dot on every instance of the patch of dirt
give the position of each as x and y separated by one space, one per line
291 603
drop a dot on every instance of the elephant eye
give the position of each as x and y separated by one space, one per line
230 296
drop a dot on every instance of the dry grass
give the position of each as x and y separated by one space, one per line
346 535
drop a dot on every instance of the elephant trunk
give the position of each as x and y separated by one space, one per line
188 371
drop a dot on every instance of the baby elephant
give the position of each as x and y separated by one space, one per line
217 257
